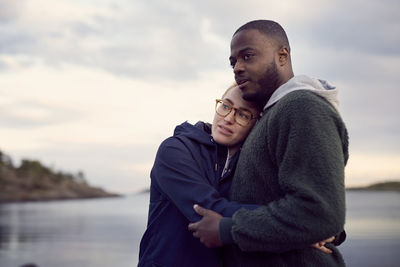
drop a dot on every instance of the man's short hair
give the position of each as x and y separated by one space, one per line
269 28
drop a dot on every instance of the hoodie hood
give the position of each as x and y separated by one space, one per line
200 132
302 82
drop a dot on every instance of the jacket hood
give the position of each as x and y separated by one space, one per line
200 132
302 82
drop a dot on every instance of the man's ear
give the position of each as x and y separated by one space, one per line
283 56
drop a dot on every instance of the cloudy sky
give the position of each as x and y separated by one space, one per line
96 85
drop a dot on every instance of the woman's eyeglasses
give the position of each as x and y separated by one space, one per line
242 117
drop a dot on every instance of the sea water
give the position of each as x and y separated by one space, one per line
107 232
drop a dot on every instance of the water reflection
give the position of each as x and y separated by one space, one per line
101 232
33 223
4 238
373 215
14 230
107 232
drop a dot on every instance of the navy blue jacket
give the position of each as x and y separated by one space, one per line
187 170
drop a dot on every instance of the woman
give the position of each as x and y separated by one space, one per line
194 166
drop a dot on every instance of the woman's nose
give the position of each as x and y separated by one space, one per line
230 117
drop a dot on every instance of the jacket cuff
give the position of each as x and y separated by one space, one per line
225 227
339 238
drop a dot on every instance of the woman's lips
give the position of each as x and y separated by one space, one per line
223 130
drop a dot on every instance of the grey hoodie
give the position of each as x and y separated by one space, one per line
302 82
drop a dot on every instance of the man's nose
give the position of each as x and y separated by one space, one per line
239 67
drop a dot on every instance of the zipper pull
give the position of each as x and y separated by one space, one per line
216 166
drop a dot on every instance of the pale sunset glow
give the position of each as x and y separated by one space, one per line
97 85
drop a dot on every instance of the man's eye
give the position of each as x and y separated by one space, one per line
226 107
247 56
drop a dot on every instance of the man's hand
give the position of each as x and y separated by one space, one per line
321 245
207 229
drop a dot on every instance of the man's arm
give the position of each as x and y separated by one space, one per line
208 230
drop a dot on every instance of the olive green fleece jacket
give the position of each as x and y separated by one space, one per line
293 164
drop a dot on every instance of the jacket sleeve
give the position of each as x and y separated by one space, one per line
180 179
308 150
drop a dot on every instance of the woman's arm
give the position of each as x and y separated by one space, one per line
180 178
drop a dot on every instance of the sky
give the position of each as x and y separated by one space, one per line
97 85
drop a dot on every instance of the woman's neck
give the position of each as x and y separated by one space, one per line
232 150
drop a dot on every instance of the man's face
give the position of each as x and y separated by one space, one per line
253 58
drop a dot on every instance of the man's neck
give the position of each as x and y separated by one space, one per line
282 80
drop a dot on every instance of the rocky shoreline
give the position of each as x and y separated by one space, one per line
32 181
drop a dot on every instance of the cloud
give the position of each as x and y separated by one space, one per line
371 27
28 114
9 9
135 39
150 40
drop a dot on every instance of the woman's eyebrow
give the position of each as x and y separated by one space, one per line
241 108
228 100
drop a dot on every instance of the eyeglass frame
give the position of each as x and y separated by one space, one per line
235 111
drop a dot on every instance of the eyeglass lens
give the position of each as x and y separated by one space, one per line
242 117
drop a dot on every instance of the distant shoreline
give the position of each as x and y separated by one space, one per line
32 181
389 186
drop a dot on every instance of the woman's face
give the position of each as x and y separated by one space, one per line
225 130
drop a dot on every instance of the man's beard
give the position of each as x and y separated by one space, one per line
267 86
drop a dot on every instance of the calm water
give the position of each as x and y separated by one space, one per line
106 232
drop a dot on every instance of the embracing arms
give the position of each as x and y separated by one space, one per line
183 180
309 147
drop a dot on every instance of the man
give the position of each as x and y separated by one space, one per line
292 163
